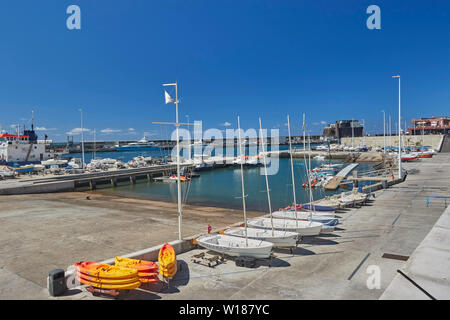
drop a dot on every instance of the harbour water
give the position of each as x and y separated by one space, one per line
221 187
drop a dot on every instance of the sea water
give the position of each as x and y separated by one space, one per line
222 186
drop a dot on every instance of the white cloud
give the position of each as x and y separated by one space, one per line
77 131
109 131
130 129
323 122
44 129
226 124
150 133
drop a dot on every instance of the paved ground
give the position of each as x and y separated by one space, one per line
428 267
326 267
39 233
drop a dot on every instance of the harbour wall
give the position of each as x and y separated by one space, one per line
28 188
433 140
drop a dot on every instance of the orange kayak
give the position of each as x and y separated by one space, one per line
149 279
132 285
107 271
87 278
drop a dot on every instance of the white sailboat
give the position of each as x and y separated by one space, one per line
328 225
237 245
304 228
302 215
279 238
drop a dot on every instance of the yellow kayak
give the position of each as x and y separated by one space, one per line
167 261
106 271
140 265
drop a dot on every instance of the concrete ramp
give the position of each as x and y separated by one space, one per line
446 144
334 183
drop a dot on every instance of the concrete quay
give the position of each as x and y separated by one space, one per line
55 232
70 182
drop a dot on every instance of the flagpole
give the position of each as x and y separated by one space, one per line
177 124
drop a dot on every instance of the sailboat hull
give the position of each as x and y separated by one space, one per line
236 246
279 238
324 219
303 228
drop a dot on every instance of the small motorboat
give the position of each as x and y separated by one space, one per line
24 169
182 178
408 158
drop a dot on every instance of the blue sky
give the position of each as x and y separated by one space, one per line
253 58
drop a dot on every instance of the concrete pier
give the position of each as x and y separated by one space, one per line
334 183
91 180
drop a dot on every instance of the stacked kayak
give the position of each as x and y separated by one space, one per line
167 261
147 270
105 276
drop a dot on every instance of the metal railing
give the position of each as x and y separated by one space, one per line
438 197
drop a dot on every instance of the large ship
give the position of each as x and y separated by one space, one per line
142 144
24 148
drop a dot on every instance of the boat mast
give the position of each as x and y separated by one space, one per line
390 132
292 172
309 180
94 144
304 141
242 181
399 131
265 173
82 139
178 165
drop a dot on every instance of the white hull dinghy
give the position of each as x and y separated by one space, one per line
278 238
236 246
322 218
303 228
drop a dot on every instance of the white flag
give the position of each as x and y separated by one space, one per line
168 98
